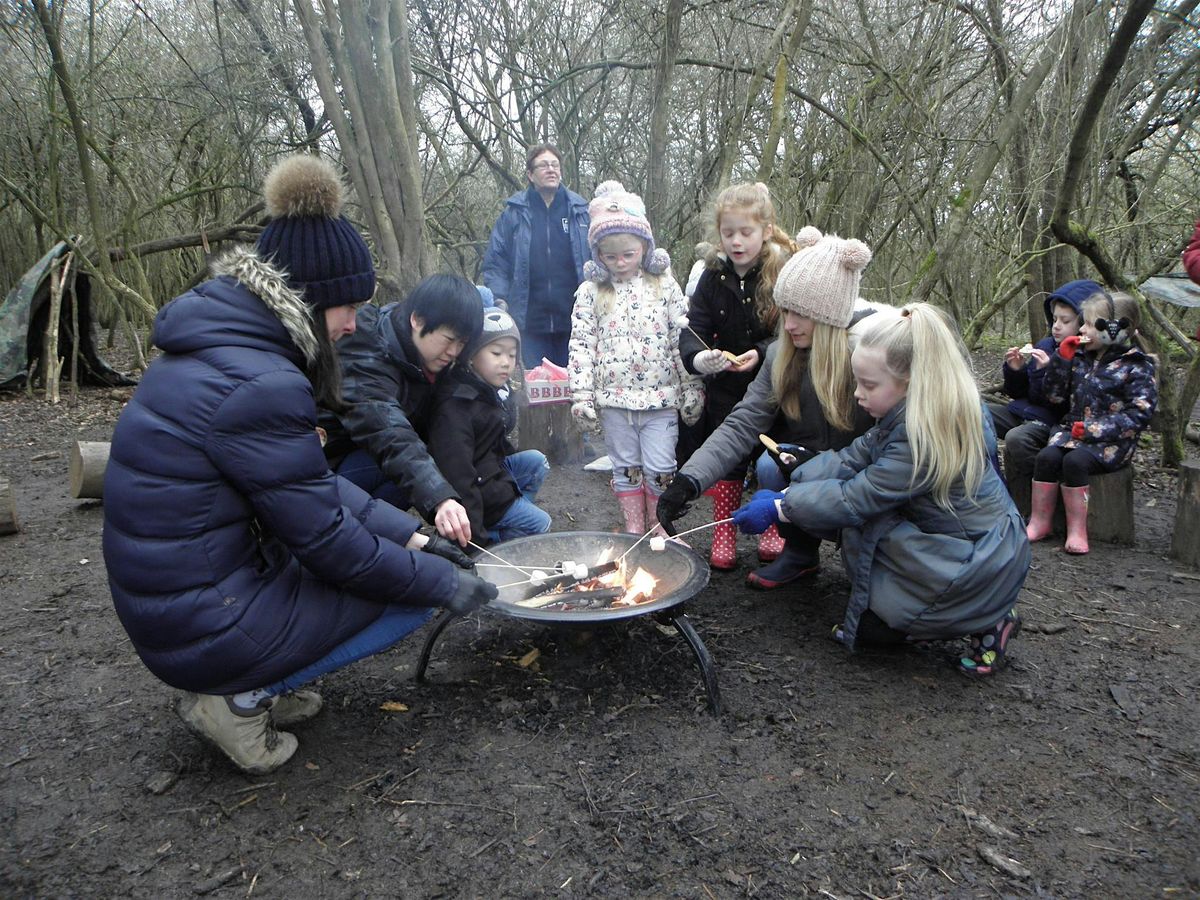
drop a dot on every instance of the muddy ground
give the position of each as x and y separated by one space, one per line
595 769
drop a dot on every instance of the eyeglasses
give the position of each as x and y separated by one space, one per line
548 166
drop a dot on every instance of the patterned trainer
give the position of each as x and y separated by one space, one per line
989 648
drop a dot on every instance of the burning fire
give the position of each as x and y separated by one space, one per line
639 587
621 588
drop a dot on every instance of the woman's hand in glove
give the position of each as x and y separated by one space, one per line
472 592
675 500
439 546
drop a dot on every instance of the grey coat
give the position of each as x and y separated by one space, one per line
926 571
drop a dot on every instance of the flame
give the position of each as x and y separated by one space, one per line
642 585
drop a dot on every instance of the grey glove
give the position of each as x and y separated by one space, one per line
472 592
439 546
710 362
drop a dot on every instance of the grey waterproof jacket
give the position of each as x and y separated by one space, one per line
927 571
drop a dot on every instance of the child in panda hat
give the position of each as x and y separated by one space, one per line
473 415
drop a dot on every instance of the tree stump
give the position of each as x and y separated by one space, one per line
9 523
1110 505
1185 543
548 427
89 459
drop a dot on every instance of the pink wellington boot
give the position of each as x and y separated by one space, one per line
1075 502
633 509
1042 500
770 545
727 496
652 518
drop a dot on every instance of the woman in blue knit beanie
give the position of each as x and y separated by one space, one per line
240 566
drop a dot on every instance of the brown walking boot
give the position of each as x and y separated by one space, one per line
250 741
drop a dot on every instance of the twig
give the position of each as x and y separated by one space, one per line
483 848
500 558
1111 622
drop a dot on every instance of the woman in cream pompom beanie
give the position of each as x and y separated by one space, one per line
821 279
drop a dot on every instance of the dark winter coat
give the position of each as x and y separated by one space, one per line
506 262
388 405
1025 385
467 439
926 571
1113 393
758 413
235 557
722 312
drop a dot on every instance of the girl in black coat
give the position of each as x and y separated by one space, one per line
732 318
468 438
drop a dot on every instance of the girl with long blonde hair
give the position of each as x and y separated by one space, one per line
803 394
934 547
732 317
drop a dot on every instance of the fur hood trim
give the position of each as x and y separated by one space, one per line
268 283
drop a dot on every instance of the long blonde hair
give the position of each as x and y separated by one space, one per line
944 413
754 200
832 378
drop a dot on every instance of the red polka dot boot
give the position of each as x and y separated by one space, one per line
727 496
770 545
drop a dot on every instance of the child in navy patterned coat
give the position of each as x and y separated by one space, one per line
1109 382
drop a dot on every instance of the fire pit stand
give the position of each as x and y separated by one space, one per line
681 575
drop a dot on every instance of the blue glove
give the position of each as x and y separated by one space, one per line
759 514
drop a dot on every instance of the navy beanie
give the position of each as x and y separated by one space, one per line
1073 293
322 254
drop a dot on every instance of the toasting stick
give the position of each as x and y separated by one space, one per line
555 582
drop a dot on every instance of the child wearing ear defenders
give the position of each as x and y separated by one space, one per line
1108 379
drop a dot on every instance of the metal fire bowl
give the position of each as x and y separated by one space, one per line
680 572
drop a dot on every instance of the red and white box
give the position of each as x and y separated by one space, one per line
547 383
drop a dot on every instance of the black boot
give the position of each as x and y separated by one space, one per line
801 558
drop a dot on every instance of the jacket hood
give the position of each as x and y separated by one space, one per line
1073 293
216 314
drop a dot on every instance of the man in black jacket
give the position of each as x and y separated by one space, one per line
390 367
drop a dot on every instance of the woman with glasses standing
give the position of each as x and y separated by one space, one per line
534 260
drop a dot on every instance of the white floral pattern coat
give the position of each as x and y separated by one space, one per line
627 356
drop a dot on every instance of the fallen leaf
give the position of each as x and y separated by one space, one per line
393 706
311 766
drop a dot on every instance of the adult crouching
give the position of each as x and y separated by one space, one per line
240 565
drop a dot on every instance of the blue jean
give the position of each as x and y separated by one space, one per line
360 467
528 469
769 476
550 344
395 623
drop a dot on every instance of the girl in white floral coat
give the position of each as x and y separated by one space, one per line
626 372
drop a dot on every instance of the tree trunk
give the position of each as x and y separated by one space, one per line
656 173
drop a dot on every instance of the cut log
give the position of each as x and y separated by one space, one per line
1110 505
8 509
1185 543
549 427
89 459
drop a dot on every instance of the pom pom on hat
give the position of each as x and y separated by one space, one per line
821 279
322 255
614 210
303 186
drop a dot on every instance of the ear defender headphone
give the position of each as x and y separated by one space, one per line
1112 326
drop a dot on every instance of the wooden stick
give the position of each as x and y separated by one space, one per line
527 571
705 525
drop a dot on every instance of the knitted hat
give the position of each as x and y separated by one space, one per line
1073 293
496 324
820 281
323 255
616 211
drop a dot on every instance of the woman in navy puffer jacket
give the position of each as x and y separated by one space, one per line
239 564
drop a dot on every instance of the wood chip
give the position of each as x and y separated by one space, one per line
1005 864
393 706
529 658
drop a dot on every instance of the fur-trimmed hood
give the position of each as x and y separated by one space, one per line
216 313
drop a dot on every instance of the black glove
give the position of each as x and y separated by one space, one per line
472 592
447 549
676 500
795 457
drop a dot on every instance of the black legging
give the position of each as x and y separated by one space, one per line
1072 467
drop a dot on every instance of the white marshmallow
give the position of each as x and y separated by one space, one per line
580 572
658 544
567 566
538 576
